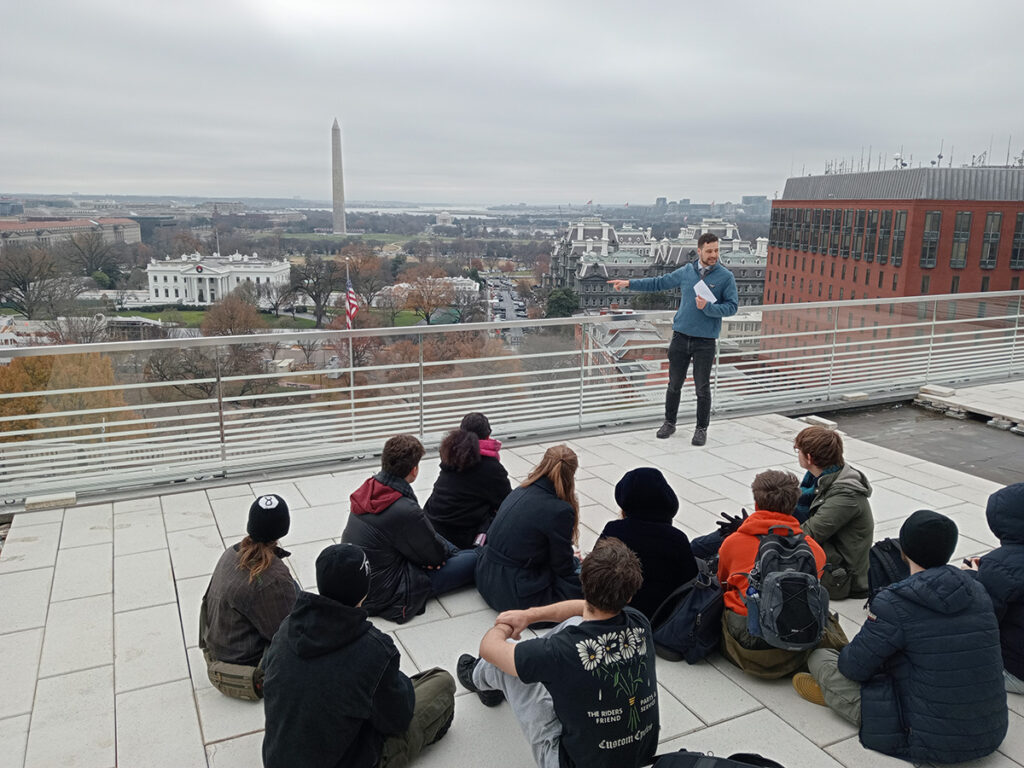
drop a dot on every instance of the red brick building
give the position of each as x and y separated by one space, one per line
910 232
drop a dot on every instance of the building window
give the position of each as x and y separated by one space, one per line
841 289
884 233
1017 254
844 248
984 283
881 277
167 293
830 293
815 230
175 293
858 235
990 241
926 281
156 292
930 239
832 270
867 277
961 234
895 279
954 284
1015 283
899 234
843 277
855 273
165 278
871 236
175 278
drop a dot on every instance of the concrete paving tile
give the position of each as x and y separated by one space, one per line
81 703
232 515
139 531
931 499
1013 744
142 504
887 505
763 732
753 454
851 754
183 511
478 736
229 491
698 464
26 595
221 716
466 600
322 490
302 561
39 517
83 571
688 491
242 752
158 727
725 485
597 490
705 691
20 654
29 547
675 719
595 516
15 731
1015 702
405 662
588 539
79 635
190 600
429 647
316 523
970 521
195 552
995 760
84 526
149 648
142 580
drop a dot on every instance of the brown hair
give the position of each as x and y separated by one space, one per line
707 237
401 455
256 556
823 445
559 465
610 575
460 450
776 491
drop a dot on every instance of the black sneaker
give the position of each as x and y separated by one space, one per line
700 436
666 430
464 671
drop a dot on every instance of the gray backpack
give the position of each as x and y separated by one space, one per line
786 604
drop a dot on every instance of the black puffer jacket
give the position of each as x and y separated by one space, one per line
930 670
332 690
387 523
528 560
1002 573
463 504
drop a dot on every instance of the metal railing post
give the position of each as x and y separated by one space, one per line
931 342
1016 335
220 412
832 356
583 342
422 403
714 391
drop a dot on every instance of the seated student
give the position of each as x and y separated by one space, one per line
835 511
924 676
775 495
334 693
472 483
250 592
409 561
529 559
648 505
1002 574
585 694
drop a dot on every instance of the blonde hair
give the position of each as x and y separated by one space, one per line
256 556
559 465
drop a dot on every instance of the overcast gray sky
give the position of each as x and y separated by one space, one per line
480 101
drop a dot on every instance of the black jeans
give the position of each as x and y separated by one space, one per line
681 350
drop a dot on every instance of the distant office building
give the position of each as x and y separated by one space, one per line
756 205
50 231
10 207
197 279
910 232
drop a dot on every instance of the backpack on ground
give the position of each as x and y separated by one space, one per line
885 565
686 759
688 623
786 604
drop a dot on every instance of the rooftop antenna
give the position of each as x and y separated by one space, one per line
869 156
951 148
938 160
1008 142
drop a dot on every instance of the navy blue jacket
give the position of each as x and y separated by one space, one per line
1002 573
528 559
930 670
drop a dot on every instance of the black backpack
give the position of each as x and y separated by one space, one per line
688 623
686 759
885 565
786 605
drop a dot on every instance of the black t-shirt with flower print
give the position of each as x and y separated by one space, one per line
602 680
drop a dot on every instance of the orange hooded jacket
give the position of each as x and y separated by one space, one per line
739 550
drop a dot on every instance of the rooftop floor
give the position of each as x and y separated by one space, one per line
98 636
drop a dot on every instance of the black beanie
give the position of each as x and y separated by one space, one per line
645 494
268 519
343 574
928 538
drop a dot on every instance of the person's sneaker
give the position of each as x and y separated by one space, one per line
464 671
807 687
700 436
666 430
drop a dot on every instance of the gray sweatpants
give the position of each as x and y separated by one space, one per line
841 693
531 704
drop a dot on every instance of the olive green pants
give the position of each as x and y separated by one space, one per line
433 714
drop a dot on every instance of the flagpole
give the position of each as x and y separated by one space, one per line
351 357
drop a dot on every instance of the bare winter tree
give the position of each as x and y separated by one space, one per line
318 278
78 328
32 281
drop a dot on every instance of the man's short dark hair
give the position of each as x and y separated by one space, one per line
823 445
610 575
707 237
776 491
402 453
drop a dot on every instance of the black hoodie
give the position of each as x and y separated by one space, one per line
332 691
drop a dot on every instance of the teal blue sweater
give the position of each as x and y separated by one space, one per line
705 323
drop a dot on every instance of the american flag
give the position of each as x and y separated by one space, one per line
351 305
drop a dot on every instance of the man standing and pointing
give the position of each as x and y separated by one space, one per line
696 327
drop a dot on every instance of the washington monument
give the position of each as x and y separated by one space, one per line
338 180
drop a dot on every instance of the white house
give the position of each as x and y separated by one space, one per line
198 279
